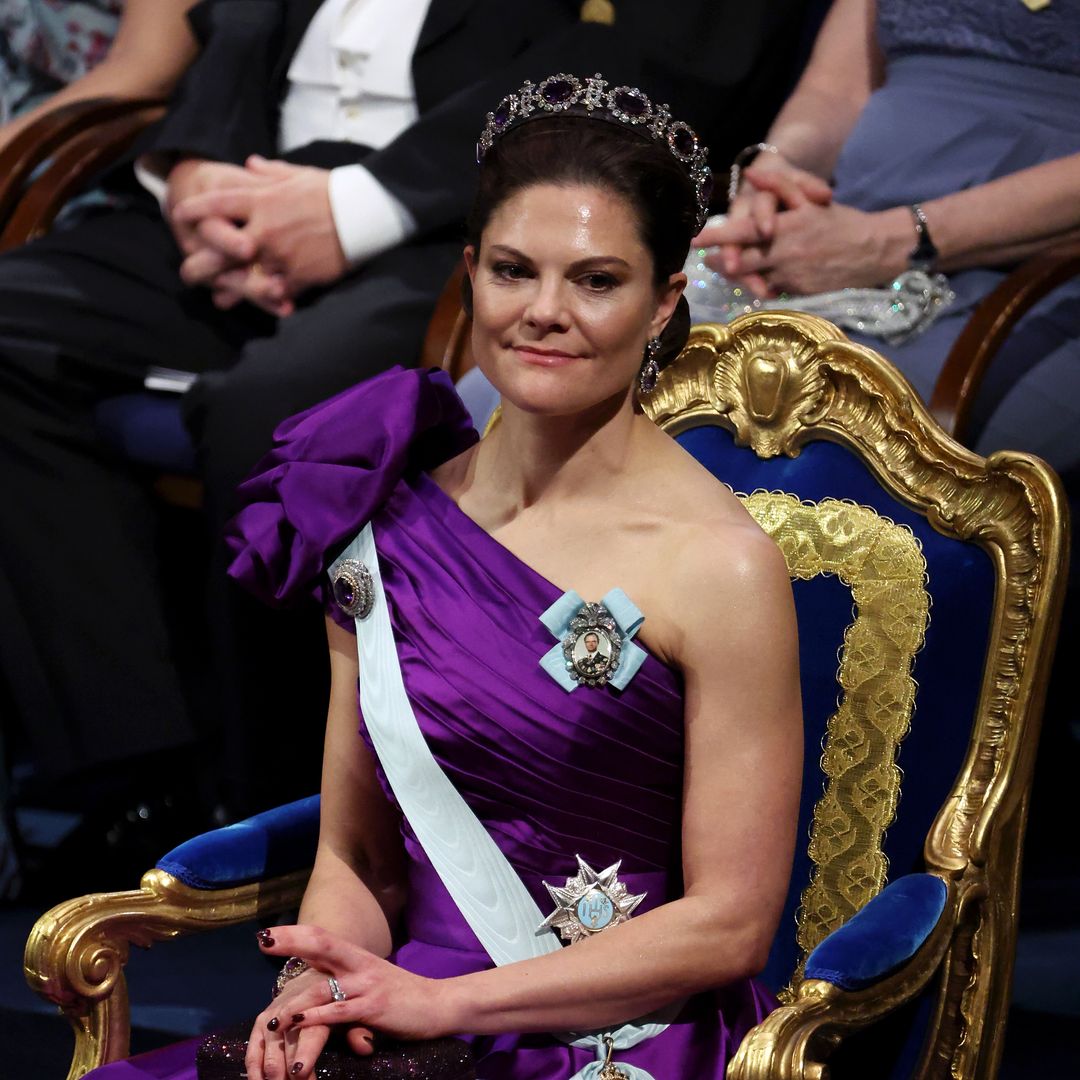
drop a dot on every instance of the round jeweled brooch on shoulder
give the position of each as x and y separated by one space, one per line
353 588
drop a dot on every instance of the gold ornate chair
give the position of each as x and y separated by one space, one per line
927 737
928 585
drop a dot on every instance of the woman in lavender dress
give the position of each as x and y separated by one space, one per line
971 109
683 769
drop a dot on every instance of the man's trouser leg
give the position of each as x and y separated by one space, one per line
83 641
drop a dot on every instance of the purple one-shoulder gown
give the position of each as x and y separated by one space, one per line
551 774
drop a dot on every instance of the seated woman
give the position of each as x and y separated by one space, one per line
506 792
53 54
941 137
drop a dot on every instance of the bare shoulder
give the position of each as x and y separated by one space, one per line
721 574
705 522
723 553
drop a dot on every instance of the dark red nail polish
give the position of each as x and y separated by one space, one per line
264 939
272 1024
297 1067
297 1018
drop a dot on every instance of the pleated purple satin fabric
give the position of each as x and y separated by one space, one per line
551 774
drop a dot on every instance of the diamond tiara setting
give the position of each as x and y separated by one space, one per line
626 104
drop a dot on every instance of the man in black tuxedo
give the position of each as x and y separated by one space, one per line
279 286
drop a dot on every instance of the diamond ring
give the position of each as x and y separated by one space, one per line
336 993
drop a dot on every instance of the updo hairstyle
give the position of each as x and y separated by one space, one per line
580 150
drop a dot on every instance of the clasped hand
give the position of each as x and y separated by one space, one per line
263 233
784 233
291 1032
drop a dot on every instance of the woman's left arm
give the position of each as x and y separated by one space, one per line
740 804
1009 218
153 47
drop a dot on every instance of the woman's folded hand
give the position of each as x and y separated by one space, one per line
276 1050
769 186
378 995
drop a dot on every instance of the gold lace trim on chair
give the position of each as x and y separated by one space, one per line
883 565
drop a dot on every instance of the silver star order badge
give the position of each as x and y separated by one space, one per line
590 902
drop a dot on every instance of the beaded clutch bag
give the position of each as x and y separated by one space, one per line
221 1057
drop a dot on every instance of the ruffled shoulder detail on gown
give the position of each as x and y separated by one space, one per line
331 469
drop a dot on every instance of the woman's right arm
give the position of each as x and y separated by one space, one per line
844 69
357 886
358 883
153 47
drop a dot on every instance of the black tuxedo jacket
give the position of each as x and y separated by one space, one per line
699 55
469 54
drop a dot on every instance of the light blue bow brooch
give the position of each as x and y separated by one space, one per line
595 643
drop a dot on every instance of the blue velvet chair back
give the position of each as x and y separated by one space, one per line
923 580
946 669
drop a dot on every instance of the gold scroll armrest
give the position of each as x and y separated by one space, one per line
76 952
795 1041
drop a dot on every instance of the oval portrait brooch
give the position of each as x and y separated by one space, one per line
592 645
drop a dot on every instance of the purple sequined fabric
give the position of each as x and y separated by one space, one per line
221 1057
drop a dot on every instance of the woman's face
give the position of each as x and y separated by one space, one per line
564 298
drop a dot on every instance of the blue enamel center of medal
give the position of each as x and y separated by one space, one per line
595 910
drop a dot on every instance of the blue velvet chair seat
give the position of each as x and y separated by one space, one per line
147 428
885 934
268 845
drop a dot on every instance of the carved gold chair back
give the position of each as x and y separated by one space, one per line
883 520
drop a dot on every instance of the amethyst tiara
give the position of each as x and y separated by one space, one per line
623 104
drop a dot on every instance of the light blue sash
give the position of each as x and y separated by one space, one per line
484 886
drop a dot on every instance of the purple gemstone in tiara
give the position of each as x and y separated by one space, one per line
504 113
625 104
682 141
558 92
630 105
